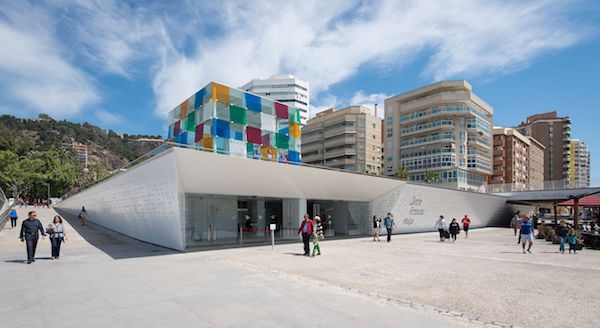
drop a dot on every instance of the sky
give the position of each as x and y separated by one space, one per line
123 65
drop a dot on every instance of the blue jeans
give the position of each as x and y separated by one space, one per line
55 246
562 243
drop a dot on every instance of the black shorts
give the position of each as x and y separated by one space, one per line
466 228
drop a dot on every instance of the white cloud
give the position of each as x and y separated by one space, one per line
34 70
327 42
107 117
370 100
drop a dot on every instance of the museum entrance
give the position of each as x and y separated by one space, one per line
340 218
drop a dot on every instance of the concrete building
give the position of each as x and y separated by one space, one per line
184 198
81 152
518 162
555 134
286 89
442 133
536 164
348 138
579 167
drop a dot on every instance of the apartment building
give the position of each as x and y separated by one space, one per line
441 133
554 133
517 162
286 89
579 168
348 138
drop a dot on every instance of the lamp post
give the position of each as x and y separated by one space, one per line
48 185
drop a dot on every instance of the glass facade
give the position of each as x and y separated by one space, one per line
215 220
229 121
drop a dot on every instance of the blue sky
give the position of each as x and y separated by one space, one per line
123 65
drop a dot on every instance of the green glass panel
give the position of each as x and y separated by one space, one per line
294 115
237 114
191 122
281 141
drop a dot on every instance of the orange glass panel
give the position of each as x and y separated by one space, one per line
207 141
294 130
269 153
220 93
183 109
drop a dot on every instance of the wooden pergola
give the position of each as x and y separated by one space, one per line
575 202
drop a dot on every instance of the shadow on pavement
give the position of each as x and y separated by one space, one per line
112 243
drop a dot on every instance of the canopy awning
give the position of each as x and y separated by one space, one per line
587 201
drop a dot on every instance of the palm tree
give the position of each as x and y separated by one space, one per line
431 177
98 172
403 173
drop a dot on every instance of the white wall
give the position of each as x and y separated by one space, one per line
142 203
417 207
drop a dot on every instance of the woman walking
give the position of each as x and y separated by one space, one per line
562 231
441 227
454 229
317 235
376 227
56 230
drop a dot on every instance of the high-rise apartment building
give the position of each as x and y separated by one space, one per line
536 164
286 89
555 134
348 138
518 161
579 167
441 133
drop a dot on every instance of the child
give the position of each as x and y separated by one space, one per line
572 240
317 235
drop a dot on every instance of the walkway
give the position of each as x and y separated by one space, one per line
107 280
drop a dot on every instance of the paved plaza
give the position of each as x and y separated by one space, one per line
105 279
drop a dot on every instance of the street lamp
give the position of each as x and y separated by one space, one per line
48 185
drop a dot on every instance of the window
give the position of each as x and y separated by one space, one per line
361 123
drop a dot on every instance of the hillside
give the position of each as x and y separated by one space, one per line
105 147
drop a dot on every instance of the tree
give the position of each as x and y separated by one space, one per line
403 173
431 177
98 172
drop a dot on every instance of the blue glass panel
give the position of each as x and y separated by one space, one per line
220 128
198 99
294 156
182 138
253 102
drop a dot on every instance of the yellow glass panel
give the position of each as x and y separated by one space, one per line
183 109
221 93
207 141
294 130
269 153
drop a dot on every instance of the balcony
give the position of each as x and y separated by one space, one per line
312 158
341 140
339 131
340 152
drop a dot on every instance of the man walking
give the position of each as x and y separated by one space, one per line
306 228
526 234
29 233
466 223
13 218
389 223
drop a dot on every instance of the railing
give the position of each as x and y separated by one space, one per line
4 209
547 185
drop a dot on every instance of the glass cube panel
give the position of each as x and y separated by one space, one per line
282 155
176 128
253 151
183 109
267 106
199 98
208 111
199 133
253 102
236 97
190 122
269 153
237 131
281 141
221 128
294 130
253 119
281 111
207 142
221 93
176 115
237 114
267 122
267 138
294 156
223 111
282 125
222 145
253 135
237 148
295 144
294 115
